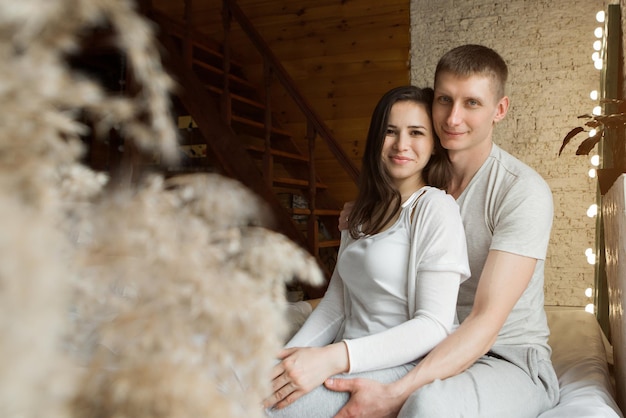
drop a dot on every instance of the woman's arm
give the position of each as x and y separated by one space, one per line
437 265
433 321
307 359
323 324
502 282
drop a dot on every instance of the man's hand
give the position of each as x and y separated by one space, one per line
368 398
343 216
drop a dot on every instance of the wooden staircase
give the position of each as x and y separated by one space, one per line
227 127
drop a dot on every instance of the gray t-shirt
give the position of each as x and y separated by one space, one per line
508 207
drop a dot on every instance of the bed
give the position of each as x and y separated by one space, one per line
581 355
582 358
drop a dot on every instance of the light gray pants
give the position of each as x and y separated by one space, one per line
523 386
324 403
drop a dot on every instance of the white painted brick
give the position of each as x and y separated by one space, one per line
547 45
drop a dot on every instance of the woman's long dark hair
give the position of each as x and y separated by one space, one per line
376 190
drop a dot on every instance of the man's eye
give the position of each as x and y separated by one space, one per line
443 99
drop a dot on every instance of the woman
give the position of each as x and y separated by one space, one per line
392 296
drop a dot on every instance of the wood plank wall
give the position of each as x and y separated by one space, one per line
342 54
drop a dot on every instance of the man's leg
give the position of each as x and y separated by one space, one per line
491 388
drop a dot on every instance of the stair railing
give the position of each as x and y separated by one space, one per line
315 126
273 69
290 87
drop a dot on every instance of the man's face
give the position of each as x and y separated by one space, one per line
465 110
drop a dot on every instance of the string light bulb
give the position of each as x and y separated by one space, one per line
598 32
598 64
595 160
600 16
592 211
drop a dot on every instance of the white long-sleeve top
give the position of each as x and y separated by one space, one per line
392 296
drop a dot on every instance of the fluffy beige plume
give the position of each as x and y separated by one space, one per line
181 311
165 300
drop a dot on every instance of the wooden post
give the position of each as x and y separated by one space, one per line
312 227
226 100
268 159
188 37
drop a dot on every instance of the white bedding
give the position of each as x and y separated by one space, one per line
580 360
579 357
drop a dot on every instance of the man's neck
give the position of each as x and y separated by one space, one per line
465 164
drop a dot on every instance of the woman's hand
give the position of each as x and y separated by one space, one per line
303 369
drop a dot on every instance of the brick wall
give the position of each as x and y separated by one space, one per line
548 47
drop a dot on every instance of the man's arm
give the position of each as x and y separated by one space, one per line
504 278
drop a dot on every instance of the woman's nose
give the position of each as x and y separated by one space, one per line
402 141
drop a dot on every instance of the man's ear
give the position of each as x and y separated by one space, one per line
501 108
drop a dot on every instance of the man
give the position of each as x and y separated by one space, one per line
497 363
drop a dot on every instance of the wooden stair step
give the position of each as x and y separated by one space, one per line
257 128
237 97
220 72
178 31
317 212
279 154
296 183
329 243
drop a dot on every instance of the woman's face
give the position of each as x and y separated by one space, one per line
409 144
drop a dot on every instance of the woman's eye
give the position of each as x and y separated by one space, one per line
390 132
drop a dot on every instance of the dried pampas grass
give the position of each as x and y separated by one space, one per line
164 300
183 298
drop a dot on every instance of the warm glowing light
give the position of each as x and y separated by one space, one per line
595 160
593 95
593 132
598 64
600 16
597 110
588 252
592 173
597 45
589 292
595 56
590 308
591 259
598 32
592 211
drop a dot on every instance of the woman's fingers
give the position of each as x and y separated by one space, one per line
289 399
283 387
